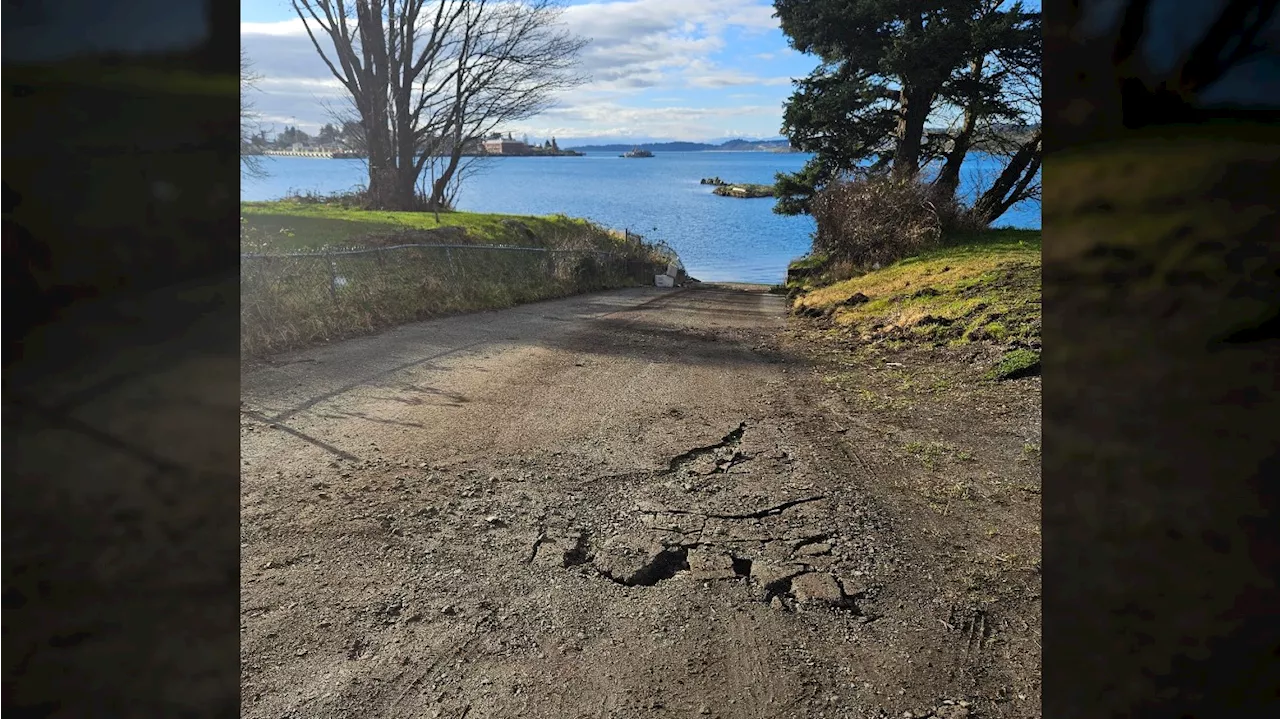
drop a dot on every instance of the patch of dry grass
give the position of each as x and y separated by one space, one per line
986 287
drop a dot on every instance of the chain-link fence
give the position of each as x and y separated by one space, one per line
293 299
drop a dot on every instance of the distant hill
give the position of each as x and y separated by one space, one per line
650 146
729 146
755 146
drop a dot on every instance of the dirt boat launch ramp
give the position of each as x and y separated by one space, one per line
624 504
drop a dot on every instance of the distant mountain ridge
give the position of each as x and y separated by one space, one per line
738 145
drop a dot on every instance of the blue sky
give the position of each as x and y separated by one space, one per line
696 69
660 69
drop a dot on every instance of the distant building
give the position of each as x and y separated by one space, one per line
504 146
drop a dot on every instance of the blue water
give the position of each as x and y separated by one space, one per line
719 239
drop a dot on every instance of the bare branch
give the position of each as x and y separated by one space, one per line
250 122
426 77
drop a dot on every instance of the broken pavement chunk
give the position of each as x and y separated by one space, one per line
671 522
562 552
773 576
813 550
706 564
818 588
636 562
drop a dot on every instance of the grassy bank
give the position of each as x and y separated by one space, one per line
293 301
302 225
930 369
983 287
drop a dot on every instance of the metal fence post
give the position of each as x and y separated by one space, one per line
333 277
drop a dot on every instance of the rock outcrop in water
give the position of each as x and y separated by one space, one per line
743 190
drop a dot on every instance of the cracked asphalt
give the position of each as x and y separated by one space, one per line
615 505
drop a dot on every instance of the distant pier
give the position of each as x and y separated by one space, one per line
319 154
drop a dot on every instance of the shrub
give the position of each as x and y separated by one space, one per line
876 220
358 199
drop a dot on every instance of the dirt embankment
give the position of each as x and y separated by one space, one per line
633 503
409 266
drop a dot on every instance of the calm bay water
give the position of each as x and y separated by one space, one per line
720 239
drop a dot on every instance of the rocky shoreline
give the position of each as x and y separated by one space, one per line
741 190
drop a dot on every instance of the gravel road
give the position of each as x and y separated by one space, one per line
615 505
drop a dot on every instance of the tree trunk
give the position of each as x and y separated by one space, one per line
440 188
384 179
391 183
949 177
1012 183
913 111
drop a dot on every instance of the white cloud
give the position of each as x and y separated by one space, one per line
610 119
301 86
284 28
713 78
634 45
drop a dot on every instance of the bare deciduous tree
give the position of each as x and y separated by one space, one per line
250 122
514 58
427 79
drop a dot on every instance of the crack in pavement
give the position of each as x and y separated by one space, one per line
729 439
537 543
759 514
662 566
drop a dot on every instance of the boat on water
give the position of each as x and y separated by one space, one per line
637 152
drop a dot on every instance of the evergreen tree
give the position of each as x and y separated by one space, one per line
886 67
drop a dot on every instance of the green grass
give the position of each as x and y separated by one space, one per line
808 262
981 287
286 225
1016 364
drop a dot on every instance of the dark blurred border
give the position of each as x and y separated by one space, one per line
121 390
1160 375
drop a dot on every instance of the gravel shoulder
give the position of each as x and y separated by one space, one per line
632 503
